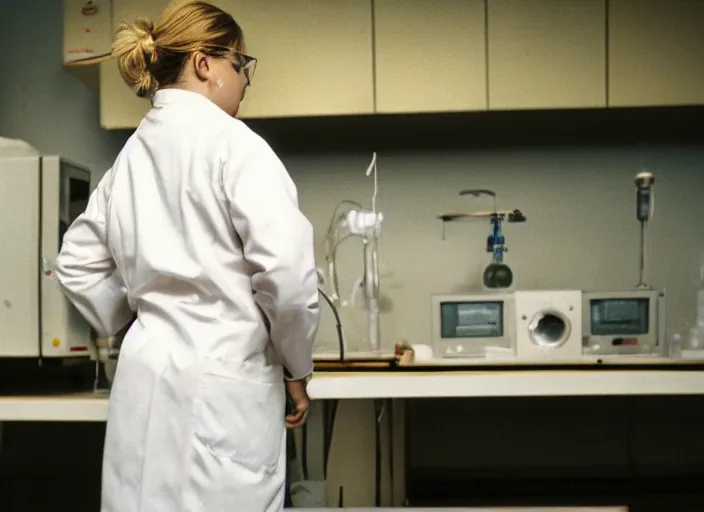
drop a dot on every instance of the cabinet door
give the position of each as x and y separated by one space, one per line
656 52
547 54
87 29
430 56
120 108
314 57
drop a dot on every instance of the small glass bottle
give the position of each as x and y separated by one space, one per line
676 346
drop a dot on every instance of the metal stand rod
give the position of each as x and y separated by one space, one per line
644 211
642 278
379 415
371 292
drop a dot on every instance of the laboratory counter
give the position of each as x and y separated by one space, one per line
420 383
361 420
473 509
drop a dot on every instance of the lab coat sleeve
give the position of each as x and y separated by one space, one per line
278 243
87 272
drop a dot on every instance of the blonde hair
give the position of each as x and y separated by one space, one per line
151 56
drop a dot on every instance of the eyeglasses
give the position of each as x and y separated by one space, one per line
245 64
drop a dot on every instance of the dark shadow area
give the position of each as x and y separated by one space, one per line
51 466
496 129
30 376
518 452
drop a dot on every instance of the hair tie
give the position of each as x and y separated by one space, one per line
148 44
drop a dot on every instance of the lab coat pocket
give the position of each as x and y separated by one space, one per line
241 419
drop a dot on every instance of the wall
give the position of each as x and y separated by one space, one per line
48 466
41 102
581 231
570 173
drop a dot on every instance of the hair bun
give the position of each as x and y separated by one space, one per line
135 50
152 55
144 30
148 44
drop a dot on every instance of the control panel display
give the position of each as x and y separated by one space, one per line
472 319
619 316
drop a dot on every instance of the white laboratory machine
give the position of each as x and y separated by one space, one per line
548 325
629 322
472 325
622 323
523 326
40 196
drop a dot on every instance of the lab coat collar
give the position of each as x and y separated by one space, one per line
172 96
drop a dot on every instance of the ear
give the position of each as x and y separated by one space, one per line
201 66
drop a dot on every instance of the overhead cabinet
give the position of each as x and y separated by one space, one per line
120 108
350 57
87 35
430 56
314 58
546 54
86 29
656 52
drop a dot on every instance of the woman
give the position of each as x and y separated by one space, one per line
196 228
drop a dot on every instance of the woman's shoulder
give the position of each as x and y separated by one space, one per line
238 138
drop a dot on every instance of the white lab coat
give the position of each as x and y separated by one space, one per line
196 228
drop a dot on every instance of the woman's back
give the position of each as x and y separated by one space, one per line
169 226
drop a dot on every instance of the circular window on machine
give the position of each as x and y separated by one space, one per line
549 329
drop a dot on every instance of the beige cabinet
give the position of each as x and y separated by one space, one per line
120 108
87 35
546 54
656 52
430 56
87 29
314 56
347 57
314 59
